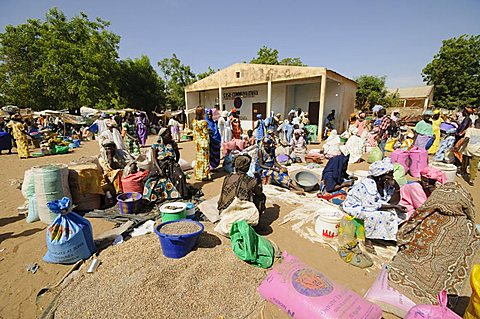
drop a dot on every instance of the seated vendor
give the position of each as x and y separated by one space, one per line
242 186
375 201
333 185
166 180
270 170
112 161
413 195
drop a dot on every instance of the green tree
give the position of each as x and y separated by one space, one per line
268 55
176 76
203 75
139 84
455 71
292 61
58 63
370 91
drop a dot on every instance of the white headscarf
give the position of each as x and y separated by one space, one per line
381 167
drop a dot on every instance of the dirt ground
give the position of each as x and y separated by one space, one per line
22 243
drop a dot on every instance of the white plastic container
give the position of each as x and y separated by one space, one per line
328 223
450 170
190 211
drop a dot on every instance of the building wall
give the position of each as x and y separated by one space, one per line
304 94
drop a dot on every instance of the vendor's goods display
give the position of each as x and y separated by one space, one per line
178 237
306 293
129 203
69 236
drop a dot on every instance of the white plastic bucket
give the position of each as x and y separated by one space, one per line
450 170
328 223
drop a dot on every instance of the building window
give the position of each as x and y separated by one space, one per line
237 74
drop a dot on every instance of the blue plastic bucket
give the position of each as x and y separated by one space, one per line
72 145
178 246
129 203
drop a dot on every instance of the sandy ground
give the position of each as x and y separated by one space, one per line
22 243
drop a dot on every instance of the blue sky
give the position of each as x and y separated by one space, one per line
392 38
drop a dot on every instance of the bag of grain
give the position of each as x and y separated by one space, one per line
28 191
303 293
69 236
51 183
85 183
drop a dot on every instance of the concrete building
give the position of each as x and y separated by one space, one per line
420 97
259 88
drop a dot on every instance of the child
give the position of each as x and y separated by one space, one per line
471 153
250 138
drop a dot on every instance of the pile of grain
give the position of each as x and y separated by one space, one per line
180 228
135 280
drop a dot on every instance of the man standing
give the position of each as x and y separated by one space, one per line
384 126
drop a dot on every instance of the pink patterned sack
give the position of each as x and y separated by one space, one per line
418 161
432 311
401 157
305 293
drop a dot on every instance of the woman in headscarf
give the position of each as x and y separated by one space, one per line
465 123
331 147
236 124
202 142
298 146
166 180
423 132
259 129
413 195
19 132
270 169
215 140
437 246
375 201
436 121
333 184
112 134
142 127
130 134
242 186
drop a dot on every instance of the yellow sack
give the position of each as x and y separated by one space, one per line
389 145
473 309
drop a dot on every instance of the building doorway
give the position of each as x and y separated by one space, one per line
258 108
313 109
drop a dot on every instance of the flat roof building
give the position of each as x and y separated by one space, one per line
259 89
416 97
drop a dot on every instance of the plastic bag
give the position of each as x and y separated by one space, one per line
250 247
389 299
375 155
473 309
432 311
305 293
389 146
237 210
69 236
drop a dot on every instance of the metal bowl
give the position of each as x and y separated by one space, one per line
306 180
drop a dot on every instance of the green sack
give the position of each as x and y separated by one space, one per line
60 149
399 174
249 246
375 155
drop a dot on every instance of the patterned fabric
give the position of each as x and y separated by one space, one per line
437 246
236 185
131 143
201 138
157 188
436 132
142 129
384 125
20 137
236 128
445 149
381 167
334 197
271 176
364 202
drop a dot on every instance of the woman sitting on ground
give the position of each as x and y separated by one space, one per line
413 195
270 169
112 161
166 180
375 200
334 183
242 186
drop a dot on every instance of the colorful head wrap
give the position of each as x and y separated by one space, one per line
381 167
437 111
433 173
